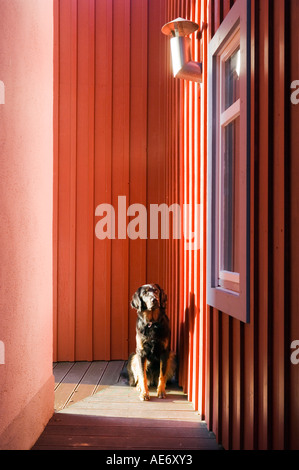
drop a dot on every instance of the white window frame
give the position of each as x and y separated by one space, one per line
227 279
229 291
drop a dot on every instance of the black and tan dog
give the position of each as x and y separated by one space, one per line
153 363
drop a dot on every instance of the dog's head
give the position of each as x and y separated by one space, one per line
149 297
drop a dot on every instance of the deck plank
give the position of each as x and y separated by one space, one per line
60 370
111 374
72 420
69 383
128 442
126 430
89 382
135 413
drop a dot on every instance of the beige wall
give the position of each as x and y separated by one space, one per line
26 178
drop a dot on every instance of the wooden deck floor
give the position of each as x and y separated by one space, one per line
96 409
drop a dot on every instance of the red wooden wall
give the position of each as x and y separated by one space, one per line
187 142
239 376
252 403
110 141
291 219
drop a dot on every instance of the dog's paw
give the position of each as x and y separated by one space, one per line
144 396
161 393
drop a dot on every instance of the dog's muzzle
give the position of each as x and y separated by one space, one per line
152 301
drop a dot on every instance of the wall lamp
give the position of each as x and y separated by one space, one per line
182 65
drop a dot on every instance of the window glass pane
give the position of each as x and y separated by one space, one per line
229 260
232 79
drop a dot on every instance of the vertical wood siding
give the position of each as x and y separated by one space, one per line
239 376
253 373
291 260
110 141
186 149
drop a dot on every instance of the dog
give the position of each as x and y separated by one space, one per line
153 363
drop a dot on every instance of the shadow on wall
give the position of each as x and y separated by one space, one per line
186 334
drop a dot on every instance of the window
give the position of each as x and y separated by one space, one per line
228 164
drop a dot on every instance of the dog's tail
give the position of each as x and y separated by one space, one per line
126 375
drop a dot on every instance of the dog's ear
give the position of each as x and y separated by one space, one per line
163 297
136 301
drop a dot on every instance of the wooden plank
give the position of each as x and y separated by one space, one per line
236 431
156 164
248 339
67 180
217 14
71 420
127 442
89 382
226 7
119 397
126 431
278 249
134 405
181 318
138 147
197 350
204 321
111 374
216 373
69 383
101 448
208 410
185 253
119 390
292 317
120 177
263 221
94 373
226 381
211 22
85 181
60 370
176 416
129 399
103 171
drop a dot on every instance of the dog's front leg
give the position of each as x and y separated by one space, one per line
142 379
162 377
